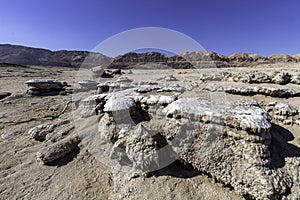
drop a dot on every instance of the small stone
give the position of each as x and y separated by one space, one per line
57 150
170 78
41 131
124 79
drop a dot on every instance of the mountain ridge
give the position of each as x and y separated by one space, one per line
17 54
23 55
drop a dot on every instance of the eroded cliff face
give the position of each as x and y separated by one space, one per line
190 60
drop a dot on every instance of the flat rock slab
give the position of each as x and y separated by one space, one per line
44 84
240 115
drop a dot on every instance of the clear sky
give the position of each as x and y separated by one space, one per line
225 26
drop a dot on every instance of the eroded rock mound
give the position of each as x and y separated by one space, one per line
57 150
57 139
228 140
283 113
232 147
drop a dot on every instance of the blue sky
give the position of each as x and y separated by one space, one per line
225 26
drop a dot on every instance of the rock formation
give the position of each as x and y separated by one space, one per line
253 90
42 57
45 87
281 58
228 140
283 113
57 150
255 76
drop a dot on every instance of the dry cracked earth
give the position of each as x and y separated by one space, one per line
224 133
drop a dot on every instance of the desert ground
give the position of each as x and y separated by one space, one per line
80 173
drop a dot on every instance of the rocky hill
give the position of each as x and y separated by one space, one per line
189 60
43 57
133 60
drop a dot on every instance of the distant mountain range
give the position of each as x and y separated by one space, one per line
22 55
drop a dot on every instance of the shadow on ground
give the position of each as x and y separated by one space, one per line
178 170
280 147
